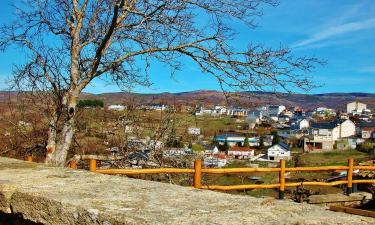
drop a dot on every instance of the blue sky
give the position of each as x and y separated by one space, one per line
340 31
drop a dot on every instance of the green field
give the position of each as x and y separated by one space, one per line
332 158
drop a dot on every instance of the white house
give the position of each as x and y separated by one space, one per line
194 130
157 107
222 110
279 151
366 129
215 111
211 150
231 139
275 110
117 107
324 112
175 152
240 152
301 124
255 115
240 112
215 160
322 136
343 130
356 107
236 139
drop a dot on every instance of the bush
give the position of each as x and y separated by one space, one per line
224 147
175 143
90 103
276 138
197 148
367 147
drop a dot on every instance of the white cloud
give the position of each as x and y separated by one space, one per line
335 30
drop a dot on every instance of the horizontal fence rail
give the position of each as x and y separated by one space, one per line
198 171
144 171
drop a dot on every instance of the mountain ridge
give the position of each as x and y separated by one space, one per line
335 100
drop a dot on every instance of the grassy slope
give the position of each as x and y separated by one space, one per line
332 158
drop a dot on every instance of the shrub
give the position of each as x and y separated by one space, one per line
90 103
197 148
366 147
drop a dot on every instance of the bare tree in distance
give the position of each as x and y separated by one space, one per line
68 43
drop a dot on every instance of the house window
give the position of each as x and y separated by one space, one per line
272 158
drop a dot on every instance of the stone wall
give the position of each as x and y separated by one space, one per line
48 195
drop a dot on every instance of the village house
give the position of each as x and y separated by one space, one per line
255 116
236 140
157 107
210 149
322 136
231 139
117 107
366 129
323 112
138 158
194 131
297 129
212 111
144 144
275 110
300 124
278 151
240 152
288 113
298 113
283 118
204 111
287 132
221 110
176 152
364 117
215 160
267 140
238 112
356 107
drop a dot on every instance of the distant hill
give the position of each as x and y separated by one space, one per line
245 99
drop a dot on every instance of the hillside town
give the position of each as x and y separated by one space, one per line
282 129
187 112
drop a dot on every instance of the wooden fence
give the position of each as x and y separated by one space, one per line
281 185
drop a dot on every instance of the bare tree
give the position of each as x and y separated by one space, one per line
71 42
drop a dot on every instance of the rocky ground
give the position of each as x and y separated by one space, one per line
62 196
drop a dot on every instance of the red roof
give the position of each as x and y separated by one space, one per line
237 148
369 128
218 156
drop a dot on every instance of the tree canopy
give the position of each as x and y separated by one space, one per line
68 43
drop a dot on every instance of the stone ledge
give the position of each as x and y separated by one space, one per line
51 195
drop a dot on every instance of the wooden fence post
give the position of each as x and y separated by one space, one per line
197 173
349 188
29 158
73 164
282 179
92 165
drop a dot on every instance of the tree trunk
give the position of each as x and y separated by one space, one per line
51 142
59 145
